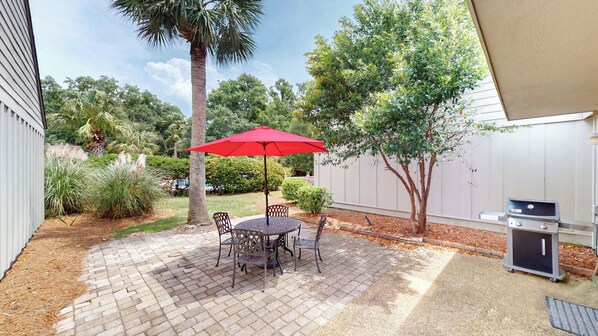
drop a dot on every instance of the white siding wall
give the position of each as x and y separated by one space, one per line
21 135
551 160
18 78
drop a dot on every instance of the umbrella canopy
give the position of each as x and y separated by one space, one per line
263 141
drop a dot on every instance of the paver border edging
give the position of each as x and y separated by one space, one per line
424 240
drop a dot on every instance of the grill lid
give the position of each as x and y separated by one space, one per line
533 209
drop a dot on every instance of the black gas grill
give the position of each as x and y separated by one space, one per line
532 236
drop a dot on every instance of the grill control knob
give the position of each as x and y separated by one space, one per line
543 226
518 223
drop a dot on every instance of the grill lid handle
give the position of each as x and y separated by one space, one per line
493 216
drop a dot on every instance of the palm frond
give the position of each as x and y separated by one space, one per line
223 27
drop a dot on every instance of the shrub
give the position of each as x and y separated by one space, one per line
241 174
168 167
313 199
104 160
290 187
124 189
65 186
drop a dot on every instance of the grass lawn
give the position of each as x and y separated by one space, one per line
236 205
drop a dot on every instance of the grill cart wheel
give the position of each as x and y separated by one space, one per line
554 280
510 270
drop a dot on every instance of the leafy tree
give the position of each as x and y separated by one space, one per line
302 164
279 111
223 122
390 84
235 106
222 28
93 116
87 83
54 96
140 111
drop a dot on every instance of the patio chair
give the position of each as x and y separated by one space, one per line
312 244
250 248
280 210
224 228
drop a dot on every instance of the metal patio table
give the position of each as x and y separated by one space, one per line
278 226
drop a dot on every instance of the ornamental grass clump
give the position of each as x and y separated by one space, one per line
126 189
65 185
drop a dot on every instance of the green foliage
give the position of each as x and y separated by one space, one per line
240 104
241 174
390 83
301 164
223 122
168 167
165 166
65 186
92 116
245 96
313 199
290 188
128 119
133 141
123 189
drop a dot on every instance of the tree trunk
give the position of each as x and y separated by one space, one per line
422 217
198 211
96 146
175 153
425 181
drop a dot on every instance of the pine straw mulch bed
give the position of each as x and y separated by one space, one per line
43 279
574 255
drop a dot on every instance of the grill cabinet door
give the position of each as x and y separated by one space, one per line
529 251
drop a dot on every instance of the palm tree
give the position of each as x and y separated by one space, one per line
134 141
221 28
175 125
93 115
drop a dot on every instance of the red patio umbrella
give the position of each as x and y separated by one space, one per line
264 141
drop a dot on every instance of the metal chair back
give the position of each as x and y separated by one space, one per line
278 210
249 242
222 222
321 226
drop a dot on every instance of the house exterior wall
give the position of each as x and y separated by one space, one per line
549 160
21 133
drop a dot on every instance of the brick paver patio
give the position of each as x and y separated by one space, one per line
167 284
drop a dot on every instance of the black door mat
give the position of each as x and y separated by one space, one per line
573 318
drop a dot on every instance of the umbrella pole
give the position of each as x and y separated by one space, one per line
266 184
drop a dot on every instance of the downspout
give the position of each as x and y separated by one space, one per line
594 141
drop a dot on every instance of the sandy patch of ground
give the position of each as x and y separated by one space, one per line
43 279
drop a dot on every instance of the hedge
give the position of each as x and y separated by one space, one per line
313 199
230 175
242 174
290 187
166 166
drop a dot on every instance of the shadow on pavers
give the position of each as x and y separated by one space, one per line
192 276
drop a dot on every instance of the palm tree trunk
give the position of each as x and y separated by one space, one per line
175 153
198 211
96 146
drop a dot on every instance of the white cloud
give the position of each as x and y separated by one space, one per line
174 75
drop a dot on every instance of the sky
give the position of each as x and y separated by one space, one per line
87 38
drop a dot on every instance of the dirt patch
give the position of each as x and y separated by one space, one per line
43 279
569 254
